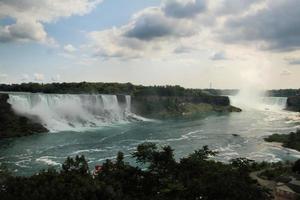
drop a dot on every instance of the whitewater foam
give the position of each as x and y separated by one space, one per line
259 102
63 112
48 160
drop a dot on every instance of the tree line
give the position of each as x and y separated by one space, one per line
102 88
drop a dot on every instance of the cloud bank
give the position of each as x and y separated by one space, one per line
30 16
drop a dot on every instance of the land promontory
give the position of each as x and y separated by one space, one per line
15 125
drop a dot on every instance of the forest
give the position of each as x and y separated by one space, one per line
128 88
102 88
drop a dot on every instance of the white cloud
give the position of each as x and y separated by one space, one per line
69 48
149 32
24 31
30 15
38 77
275 27
152 23
234 7
184 49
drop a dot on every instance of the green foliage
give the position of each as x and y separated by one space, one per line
244 164
291 140
202 154
103 88
77 165
144 153
193 177
275 171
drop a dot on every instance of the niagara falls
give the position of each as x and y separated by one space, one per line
101 125
149 100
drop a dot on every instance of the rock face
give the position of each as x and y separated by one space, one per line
161 106
13 125
293 103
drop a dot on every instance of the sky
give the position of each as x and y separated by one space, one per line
192 43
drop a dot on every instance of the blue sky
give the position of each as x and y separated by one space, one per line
230 43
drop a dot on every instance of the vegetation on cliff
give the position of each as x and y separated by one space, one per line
13 125
161 177
284 92
276 170
291 140
160 106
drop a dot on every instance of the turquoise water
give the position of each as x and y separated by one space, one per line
28 155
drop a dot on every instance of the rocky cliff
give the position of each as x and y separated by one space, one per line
293 103
13 125
162 106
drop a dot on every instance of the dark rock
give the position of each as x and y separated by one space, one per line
14 125
293 103
235 109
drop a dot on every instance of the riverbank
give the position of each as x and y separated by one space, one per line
291 140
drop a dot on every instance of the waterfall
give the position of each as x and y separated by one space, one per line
261 103
60 112
277 102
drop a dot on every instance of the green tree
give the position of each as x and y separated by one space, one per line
78 165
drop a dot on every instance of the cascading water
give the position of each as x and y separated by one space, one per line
259 103
274 102
60 112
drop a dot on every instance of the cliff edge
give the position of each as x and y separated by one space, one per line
293 103
13 125
166 106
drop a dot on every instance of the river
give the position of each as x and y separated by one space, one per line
233 135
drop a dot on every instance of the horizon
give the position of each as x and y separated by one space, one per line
204 88
190 43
